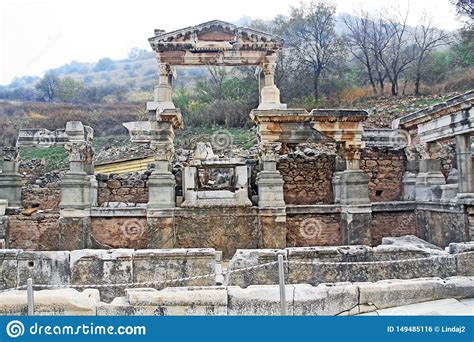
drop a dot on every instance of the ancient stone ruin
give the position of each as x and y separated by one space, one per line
342 203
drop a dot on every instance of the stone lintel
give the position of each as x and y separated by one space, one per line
148 131
75 213
280 115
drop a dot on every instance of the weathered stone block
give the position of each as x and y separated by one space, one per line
74 233
8 268
44 267
390 293
247 258
60 302
324 299
191 301
258 300
272 223
102 267
170 264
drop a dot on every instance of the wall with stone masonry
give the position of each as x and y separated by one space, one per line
38 231
225 229
119 232
385 169
127 188
40 189
308 179
392 223
313 230
442 224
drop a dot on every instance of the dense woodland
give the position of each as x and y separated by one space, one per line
328 60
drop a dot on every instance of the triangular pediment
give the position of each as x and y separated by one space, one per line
214 35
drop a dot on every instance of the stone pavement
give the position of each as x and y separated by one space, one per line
442 307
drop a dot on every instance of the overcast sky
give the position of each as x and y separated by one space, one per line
36 35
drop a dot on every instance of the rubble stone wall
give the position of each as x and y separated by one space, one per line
385 169
40 189
308 180
126 188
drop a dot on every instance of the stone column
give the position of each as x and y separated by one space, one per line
76 193
10 178
161 200
464 164
272 209
430 175
409 180
161 183
270 92
336 180
163 94
356 210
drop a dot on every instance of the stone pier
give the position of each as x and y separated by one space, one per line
78 189
464 163
10 178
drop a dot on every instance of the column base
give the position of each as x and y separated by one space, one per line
270 189
161 190
354 187
10 189
75 187
430 175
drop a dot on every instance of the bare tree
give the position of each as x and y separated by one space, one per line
360 45
393 47
311 36
426 39
379 39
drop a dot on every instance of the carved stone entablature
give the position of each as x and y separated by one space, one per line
214 42
345 126
173 116
150 131
41 137
459 104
